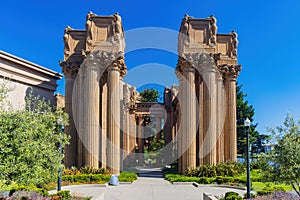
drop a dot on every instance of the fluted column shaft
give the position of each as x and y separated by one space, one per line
189 117
113 119
220 119
79 122
209 76
230 128
158 127
200 118
140 139
103 136
180 135
70 150
92 113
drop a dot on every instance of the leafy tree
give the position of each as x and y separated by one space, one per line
149 95
29 141
286 153
244 111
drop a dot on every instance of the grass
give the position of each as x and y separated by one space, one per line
240 180
261 185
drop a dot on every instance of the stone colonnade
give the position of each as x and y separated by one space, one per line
106 119
202 110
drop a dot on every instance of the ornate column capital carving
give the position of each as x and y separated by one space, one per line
70 68
105 60
203 62
230 71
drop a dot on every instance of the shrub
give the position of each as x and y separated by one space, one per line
91 170
40 191
22 194
222 169
64 193
29 151
232 196
128 177
86 178
205 180
270 190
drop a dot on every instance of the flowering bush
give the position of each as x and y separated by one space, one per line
278 196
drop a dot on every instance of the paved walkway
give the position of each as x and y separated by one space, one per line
149 186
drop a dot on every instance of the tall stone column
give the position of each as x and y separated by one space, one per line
230 132
180 135
113 118
103 136
158 127
70 72
126 123
122 116
189 117
220 118
91 114
79 104
209 77
132 136
201 132
140 139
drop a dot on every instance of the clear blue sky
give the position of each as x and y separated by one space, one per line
268 40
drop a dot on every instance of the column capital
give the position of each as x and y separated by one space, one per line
105 60
229 71
70 68
202 62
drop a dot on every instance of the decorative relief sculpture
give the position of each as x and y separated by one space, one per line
185 29
118 32
126 96
67 41
213 30
134 98
88 27
234 44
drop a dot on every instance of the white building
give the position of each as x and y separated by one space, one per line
24 75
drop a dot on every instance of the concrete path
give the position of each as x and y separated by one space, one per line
149 186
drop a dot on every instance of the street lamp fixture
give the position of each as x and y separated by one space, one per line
60 125
247 124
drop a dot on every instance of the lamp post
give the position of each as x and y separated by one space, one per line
60 124
247 123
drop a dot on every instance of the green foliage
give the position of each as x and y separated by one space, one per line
29 139
127 177
232 196
86 178
222 169
40 191
149 95
286 153
270 190
244 111
64 193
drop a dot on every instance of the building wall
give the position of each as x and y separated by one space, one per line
23 77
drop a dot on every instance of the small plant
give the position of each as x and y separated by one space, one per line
232 196
64 194
128 177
